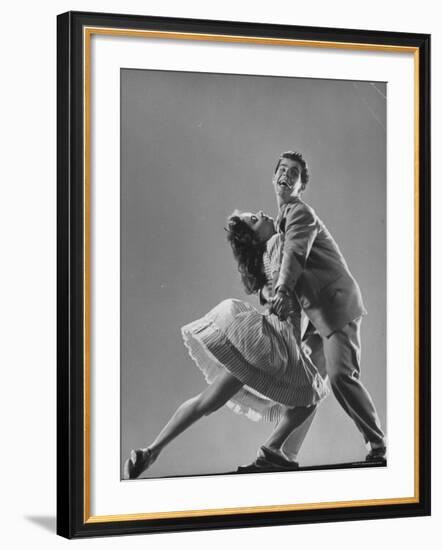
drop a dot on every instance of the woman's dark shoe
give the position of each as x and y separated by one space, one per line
377 454
267 458
140 460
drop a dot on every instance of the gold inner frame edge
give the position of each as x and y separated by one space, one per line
87 33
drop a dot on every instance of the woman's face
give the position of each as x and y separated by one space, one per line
262 225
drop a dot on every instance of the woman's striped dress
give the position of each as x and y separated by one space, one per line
258 349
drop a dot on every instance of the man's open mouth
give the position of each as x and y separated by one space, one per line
284 183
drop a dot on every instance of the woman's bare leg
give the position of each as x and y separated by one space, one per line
295 440
292 418
208 401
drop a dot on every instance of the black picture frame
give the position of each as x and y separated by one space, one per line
73 517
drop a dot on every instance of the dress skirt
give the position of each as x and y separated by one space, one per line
262 352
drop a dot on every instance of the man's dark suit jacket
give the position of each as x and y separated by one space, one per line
313 267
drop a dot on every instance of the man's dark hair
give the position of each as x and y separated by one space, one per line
295 156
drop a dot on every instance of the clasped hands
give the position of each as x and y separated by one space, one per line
281 304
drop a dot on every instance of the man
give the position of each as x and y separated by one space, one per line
313 268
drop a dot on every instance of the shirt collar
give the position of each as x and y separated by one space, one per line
291 200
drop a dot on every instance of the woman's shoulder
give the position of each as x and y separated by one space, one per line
273 244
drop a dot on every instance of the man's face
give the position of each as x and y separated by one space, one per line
287 179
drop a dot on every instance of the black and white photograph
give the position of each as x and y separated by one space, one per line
221 253
253 268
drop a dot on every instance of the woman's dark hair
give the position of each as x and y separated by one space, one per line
247 251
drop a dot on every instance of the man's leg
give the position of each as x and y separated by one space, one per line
342 352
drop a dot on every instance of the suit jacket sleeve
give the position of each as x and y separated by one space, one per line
301 228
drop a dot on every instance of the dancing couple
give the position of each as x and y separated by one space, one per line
256 363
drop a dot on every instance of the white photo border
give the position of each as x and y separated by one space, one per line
106 497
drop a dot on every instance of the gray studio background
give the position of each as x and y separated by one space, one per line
194 147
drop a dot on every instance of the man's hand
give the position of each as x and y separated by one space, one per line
281 305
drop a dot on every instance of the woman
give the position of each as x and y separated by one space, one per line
252 361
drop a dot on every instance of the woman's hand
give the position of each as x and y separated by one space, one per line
265 295
281 305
